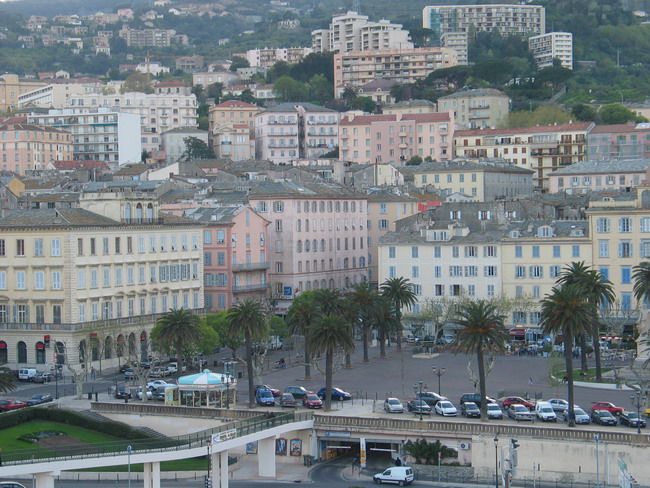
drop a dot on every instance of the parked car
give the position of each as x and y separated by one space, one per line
631 419
288 400
430 397
11 404
446 408
158 394
610 407
172 368
603 417
400 475
154 385
129 374
418 406
120 392
125 366
581 416
138 394
39 398
558 404
474 397
11 484
393 405
311 400
494 411
511 400
158 373
519 412
544 411
26 374
264 397
297 391
275 391
337 394
470 409
41 377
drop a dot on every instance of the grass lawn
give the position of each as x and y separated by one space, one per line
590 374
196 464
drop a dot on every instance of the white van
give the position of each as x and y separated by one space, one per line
401 475
26 374
545 412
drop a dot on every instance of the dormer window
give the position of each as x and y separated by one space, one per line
454 215
514 234
577 233
545 231
484 215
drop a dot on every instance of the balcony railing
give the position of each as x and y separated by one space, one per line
254 287
250 266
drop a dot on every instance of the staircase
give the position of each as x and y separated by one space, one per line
101 418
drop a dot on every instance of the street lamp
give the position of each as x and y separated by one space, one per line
597 438
227 380
638 401
128 455
496 460
420 386
438 372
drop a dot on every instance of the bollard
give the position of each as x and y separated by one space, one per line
96 396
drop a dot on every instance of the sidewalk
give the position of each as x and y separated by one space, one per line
290 472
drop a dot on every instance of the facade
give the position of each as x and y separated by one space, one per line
400 65
147 37
588 176
173 141
231 129
57 93
235 255
477 109
190 63
353 32
459 42
410 107
619 141
377 90
11 87
206 79
317 237
483 181
269 56
553 45
94 283
507 19
97 134
298 130
26 146
399 137
543 149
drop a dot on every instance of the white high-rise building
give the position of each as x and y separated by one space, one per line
547 47
457 41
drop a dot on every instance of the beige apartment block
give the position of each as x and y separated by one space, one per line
231 129
93 280
554 45
403 65
267 57
58 92
543 149
26 147
459 42
477 109
11 87
588 176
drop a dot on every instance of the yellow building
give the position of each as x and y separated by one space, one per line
11 86
227 124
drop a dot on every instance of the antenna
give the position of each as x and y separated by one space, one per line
356 6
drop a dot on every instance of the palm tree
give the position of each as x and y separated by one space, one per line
599 292
566 310
384 320
362 299
482 331
247 318
300 318
7 380
333 303
178 329
399 291
329 334
641 277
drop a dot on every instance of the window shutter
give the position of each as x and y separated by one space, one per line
27 313
620 250
14 312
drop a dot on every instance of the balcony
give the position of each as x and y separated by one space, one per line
250 288
250 266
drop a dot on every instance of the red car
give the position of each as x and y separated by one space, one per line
6 405
610 407
311 400
511 400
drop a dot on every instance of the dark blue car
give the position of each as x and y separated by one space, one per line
264 398
337 394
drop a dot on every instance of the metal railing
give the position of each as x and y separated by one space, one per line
250 266
254 287
144 446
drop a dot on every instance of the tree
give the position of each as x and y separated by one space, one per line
615 113
328 335
278 70
384 321
219 323
200 93
7 380
400 293
248 318
584 113
137 82
566 311
215 91
196 148
319 89
554 75
179 329
363 298
238 62
301 315
641 278
482 330
414 161
289 90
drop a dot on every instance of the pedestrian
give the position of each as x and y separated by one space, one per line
93 373
398 461
530 381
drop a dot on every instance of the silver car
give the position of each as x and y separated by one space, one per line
393 405
581 415
519 412
494 411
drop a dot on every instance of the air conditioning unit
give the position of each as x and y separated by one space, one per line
463 445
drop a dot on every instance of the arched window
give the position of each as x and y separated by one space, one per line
323 283
120 346
108 347
322 244
138 213
131 344
40 353
94 348
299 246
22 352
3 352
331 284
144 351
127 213
314 245
362 262
315 284
150 213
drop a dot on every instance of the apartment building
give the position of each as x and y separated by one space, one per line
26 147
204 79
610 175
543 149
399 137
190 63
267 57
93 280
58 92
506 19
353 32
11 87
231 129
619 141
235 255
147 37
459 42
97 134
477 109
317 237
365 176
300 130
553 45
173 141
400 65
482 181
410 107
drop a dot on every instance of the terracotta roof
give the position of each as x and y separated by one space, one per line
600 129
30 127
89 164
240 126
135 169
367 119
429 117
525 130
478 92
235 104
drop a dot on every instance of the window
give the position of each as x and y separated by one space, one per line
221 236
20 280
105 245
603 225
207 237
455 271
644 224
554 271
603 248
118 249
278 207
536 272
489 271
140 244
38 247
3 248
644 249
471 251
39 280
625 224
471 290
626 301
489 252
519 317
415 271
118 276
56 280
417 289
20 247
278 226
575 251
455 252
93 278
490 290
383 224
392 271
414 252
519 251
106 277
625 249
556 251
207 258
520 271
535 251
391 252
471 271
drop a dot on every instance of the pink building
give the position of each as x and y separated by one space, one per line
235 262
619 141
397 137
27 146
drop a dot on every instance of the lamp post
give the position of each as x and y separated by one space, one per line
596 438
638 401
226 380
496 460
439 372
420 386
128 455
